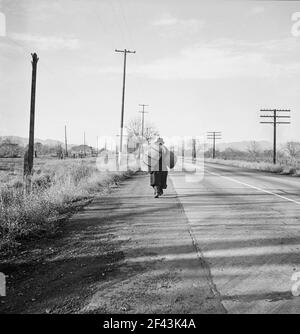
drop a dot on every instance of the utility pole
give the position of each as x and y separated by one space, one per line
84 153
143 112
214 135
125 51
66 142
276 114
28 159
194 154
117 154
97 146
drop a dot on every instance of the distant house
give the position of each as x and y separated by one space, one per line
81 150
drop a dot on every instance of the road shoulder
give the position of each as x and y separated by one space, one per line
161 271
124 253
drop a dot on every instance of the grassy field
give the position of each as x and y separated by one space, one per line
280 168
59 187
12 168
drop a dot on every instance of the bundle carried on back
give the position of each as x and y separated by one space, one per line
159 158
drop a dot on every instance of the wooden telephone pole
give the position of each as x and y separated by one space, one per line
66 142
97 147
194 151
214 135
143 112
274 121
28 159
123 96
84 152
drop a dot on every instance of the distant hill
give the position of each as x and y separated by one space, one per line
240 145
243 145
24 141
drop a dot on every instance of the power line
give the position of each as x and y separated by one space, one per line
26 51
132 40
125 20
274 121
122 35
214 135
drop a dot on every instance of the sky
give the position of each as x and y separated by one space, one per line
199 65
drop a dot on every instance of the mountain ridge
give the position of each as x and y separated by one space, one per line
221 146
22 141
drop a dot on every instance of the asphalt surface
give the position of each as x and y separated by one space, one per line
162 271
225 241
246 226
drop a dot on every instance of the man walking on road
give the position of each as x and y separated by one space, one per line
159 159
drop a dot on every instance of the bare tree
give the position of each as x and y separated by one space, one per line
134 128
293 149
254 149
150 133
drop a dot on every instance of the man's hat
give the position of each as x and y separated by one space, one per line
159 140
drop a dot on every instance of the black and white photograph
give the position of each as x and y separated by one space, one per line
149 160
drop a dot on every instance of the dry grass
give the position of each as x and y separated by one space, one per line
261 166
58 188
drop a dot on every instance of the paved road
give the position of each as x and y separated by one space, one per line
124 253
227 243
246 225
161 271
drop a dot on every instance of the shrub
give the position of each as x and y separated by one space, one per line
54 190
261 166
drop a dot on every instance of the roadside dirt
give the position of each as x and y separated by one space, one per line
124 253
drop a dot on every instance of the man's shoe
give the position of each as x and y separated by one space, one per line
159 191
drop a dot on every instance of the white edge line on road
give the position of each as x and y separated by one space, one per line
254 187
